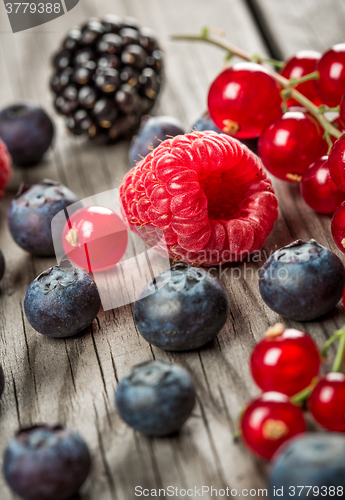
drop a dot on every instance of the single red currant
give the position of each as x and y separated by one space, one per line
303 63
269 421
286 361
338 226
336 163
342 113
318 189
327 402
331 84
95 238
243 99
289 144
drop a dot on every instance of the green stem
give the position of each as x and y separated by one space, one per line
315 75
339 359
303 395
328 344
212 39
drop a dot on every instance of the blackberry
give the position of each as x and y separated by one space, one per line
107 75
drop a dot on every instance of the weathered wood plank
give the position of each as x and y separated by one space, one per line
298 25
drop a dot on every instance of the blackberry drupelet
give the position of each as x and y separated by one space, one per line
107 75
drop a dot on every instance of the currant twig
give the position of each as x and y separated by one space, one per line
339 359
208 37
328 343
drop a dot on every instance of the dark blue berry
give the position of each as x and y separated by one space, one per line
302 281
27 131
31 213
156 398
186 312
311 466
206 123
46 463
62 301
2 265
153 130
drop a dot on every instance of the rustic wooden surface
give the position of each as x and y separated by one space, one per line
73 381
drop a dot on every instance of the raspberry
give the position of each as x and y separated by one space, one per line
207 192
5 167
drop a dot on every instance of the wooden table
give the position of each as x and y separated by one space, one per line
73 381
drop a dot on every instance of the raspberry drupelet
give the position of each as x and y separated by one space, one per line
207 193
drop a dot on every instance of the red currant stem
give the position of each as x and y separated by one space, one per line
339 358
303 395
323 109
216 40
236 435
328 344
315 75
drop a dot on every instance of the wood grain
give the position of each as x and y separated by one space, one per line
73 381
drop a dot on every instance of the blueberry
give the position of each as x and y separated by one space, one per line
46 462
27 131
315 461
156 398
2 265
31 212
62 301
302 281
205 122
153 130
186 313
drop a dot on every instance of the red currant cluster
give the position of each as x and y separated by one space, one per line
286 365
251 100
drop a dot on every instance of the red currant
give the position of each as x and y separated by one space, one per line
243 99
95 238
331 84
318 189
327 402
342 114
337 124
269 421
286 361
338 227
301 64
288 145
336 163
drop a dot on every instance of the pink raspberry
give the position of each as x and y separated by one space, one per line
207 192
5 167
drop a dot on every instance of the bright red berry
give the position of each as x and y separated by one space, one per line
289 144
318 189
95 238
342 113
336 163
303 63
5 167
243 99
207 193
327 402
338 226
269 421
286 361
331 84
